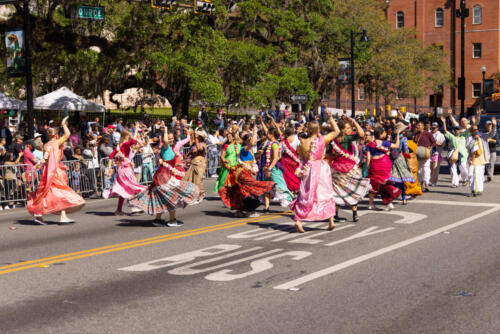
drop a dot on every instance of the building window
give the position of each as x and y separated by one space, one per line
400 20
476 50
476 90
477 15
361 92
439 17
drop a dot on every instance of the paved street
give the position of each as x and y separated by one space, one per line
429 267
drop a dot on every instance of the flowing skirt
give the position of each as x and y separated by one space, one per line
349 188
401 171
55 197
379 174
166 193
289 168
280 193
245 194
315 201
125 184
221 179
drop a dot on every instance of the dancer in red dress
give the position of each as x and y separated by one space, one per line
53 194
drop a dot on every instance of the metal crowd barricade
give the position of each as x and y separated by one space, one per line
16 181
82 176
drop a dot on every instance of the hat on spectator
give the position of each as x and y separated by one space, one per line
201 134
400 127
37 135
489 122
30 142
111 126
434 124
18 136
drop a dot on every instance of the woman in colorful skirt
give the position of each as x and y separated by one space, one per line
290 159
53 194
229 158
273 171
125 185
315 201
167 192
348 184
379 169
413 189
401 171
245 194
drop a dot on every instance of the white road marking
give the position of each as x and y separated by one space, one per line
365 233
427 201
189 270
407 217
330 270
257 266
174 260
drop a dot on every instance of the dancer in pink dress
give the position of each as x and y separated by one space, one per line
125 184
316 200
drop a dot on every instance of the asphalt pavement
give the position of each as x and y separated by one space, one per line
429 267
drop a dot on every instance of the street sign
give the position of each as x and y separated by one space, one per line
88 13
298 99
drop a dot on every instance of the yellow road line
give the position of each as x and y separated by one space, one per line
131 244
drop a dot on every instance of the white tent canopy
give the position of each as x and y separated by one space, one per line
9 102
63 98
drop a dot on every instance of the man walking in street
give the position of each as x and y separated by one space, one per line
425 143
479 155
491 129
436 153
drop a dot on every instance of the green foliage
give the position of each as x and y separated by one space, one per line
258 56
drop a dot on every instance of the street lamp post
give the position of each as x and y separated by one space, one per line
483 70
462 13
364 38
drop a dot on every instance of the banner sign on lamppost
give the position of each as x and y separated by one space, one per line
14 44
344 71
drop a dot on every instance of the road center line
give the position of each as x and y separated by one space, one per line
330 270
132 244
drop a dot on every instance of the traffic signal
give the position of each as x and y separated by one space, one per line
203 7
165 4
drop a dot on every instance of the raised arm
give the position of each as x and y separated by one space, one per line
165 134
443 119
359 129
332 135
66 131
396 144
452 119
136 131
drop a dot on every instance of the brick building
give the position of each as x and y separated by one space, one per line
433 20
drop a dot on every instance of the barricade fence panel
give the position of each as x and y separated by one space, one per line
16 181
85 177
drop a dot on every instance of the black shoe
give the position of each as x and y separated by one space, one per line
265 210
355 217
426 190
338 219
158 223
471 195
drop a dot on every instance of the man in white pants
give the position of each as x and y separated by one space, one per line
491 129
436 158
458 151
424 139
479 155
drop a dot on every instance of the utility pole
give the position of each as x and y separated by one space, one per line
353 95
453 59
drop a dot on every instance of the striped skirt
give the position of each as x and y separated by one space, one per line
349 188
166 193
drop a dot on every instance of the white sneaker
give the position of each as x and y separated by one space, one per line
254 215
391 206
6 207
135 210
373 207
387 208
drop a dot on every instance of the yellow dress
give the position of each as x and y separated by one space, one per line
413 189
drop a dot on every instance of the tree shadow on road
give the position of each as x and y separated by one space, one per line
31 222
135 223
101 213
284 228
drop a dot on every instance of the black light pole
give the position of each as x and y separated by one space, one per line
364 38
483 95
463 12
27 58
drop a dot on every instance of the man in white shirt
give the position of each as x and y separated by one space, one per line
436 157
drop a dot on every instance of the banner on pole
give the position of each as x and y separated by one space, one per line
344 71
14 44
